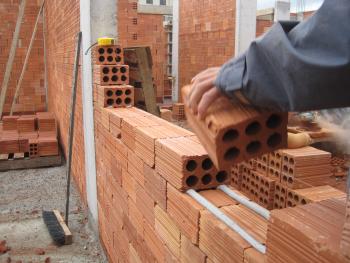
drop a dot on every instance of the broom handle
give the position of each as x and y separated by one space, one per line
71 126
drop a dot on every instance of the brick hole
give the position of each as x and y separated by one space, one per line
266 184
264 168
109 93
248 179
114 70
231 154
119 92
256 194
282 199
296 198
278 165
191 181
253 147
259 165
101 50
110 58
252 191
128 92
206 179
118 101
275 205
291 161
114 78
272 163
261 200
283 191
271 171
274 121
105 79
303 202
105 70
277 174
261 190
127 101
278 188
289 203
274 140
221 176
207 164
244 177
266 193
290 195
110 102
278 155
285 168
101 58
284 178
118 59
290 171
124 78
243 185
277 196
253 128
265 201
290 180
191 165
123 70
109 50
118 50
230 135
264 159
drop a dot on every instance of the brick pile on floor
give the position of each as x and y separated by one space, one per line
30 135
144 165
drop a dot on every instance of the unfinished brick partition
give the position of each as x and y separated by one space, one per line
147 30
32 96
206 36
62 25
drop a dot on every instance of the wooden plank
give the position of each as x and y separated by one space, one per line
12 54
16 164
68 235
139 60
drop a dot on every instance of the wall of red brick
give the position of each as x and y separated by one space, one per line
262 26
145 30
62 25
206 36
32 95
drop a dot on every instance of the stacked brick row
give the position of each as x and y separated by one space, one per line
286 178
32 96
111 77
314 233
31 135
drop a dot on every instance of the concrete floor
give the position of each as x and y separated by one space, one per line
23 194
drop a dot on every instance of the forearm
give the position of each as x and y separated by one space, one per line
306 67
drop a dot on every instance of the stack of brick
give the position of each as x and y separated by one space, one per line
32 135
111 77
305 167
309 233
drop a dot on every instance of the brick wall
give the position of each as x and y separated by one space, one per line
32 96
62 22
206 36
146 30
262 26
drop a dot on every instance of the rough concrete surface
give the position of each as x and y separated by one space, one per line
23 195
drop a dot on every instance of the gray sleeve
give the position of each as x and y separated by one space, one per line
296 67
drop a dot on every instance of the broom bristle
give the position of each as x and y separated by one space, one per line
54 227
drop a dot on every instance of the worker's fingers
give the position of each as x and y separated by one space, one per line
207 99
205 72
198 91
198 80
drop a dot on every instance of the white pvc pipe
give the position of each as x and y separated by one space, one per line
228 221
247 203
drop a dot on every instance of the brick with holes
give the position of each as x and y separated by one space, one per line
118 96
111 74
108 55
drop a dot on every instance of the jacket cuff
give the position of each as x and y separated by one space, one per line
230 77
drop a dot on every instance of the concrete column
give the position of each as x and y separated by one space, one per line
245 24
175 51
282 10
98 18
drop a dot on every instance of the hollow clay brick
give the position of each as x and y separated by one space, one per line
236 177
251 255
185 164
108 55
120 96
26 123
168 231
220 243
232 133
156 186
9 123
280 196
191 253
313 233
111 75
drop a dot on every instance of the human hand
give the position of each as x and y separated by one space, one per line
203 92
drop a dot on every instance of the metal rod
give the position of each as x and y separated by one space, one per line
247 203
71 126
228 221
